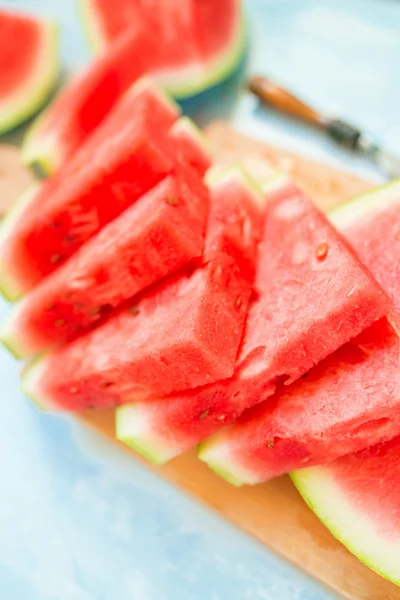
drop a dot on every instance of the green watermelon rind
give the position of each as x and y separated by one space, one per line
41 153
276 182
374 200
87 17
33 96
129 419
187 86
187 82
29 378
9 338
219 463
346 523
9 288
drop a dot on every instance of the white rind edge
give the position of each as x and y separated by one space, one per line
218 458
32 377
371 202
346 521
134 428
8 332
10 286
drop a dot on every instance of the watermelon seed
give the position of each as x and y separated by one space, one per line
69 239
270 444
106 384
94 311
172 200
59 323
239 302
204 414
322 251
134 310
55 258
51 307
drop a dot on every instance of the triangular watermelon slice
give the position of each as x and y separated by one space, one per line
357 498
29 66
183 333
345 403
308 282
123 159
165 43
157 235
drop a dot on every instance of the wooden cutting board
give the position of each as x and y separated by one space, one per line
273 512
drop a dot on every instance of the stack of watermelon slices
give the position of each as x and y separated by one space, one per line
206 309
184 302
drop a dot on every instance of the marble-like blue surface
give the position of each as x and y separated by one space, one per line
79 519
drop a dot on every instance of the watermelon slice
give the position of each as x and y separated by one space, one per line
200 42
29 66
181 334
304 267
157 235
337 408
357 498
158 44
125 158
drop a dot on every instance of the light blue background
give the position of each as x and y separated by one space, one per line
79 519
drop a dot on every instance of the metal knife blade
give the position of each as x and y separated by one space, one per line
385 161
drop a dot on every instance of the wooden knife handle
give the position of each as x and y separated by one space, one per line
274 95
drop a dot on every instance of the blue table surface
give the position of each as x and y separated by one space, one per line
79 518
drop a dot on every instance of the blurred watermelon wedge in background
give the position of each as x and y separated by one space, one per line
29 65
187 47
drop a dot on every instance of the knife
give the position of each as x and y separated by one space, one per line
343 133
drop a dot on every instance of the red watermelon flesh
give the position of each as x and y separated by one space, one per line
206 27
335 409
28 66
292 273
181 334
125 158
338 407
226 24
157 235
172 23
357 498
